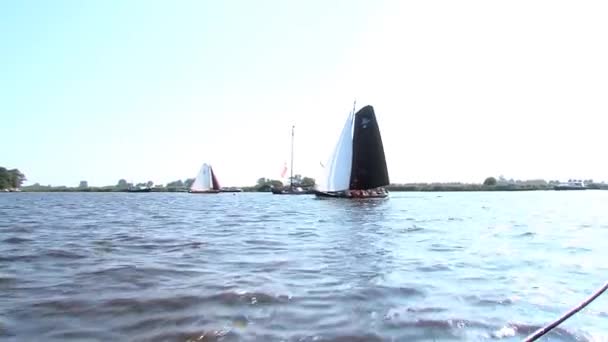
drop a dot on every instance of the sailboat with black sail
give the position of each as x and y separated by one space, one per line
293 189
205 182
357 167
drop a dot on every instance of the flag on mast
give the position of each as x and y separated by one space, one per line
284 170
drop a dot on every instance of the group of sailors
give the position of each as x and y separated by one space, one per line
379 192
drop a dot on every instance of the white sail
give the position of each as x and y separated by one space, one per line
336 172
203 181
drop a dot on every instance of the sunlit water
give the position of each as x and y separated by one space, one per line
258 267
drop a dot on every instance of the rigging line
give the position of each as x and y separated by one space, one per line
542 331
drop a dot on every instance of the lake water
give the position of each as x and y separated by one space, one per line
258 267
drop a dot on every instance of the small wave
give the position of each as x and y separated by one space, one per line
475 300
20 230
64 305
193 336
161 241
7 280
16 240
233 215
318 303
511 330
445 324
147 324
414 228
159 216
125 237
266 243
26 258
237 297
526 234
131 276
432 329
443 248
434 268
339 338
29 221
144 246
85 334
304 234
150 304
62 254
185 246
426 310
387 292
133 272
577 249
4 332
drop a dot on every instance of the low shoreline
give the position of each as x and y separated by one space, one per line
438 187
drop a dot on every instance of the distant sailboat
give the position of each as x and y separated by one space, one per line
205 182
357 167
292 189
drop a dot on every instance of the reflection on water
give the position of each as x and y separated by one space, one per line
250 267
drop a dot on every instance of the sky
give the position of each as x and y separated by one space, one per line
151 90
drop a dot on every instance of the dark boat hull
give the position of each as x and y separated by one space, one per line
344 194
208 192
565 187
139 190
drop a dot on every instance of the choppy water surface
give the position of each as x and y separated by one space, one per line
258 267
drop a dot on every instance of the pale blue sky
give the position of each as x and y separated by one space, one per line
149 90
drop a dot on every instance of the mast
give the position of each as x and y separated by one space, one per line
291 168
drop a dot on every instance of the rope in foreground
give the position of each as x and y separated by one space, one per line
542 331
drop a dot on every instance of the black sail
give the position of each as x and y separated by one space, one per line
369 164
215 184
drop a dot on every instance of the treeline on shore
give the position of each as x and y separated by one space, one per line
409 187
262 185
490 184
12 179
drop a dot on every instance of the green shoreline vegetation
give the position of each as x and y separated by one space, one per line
11 180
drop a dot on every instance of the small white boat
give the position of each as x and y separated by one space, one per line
205 182
571 185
